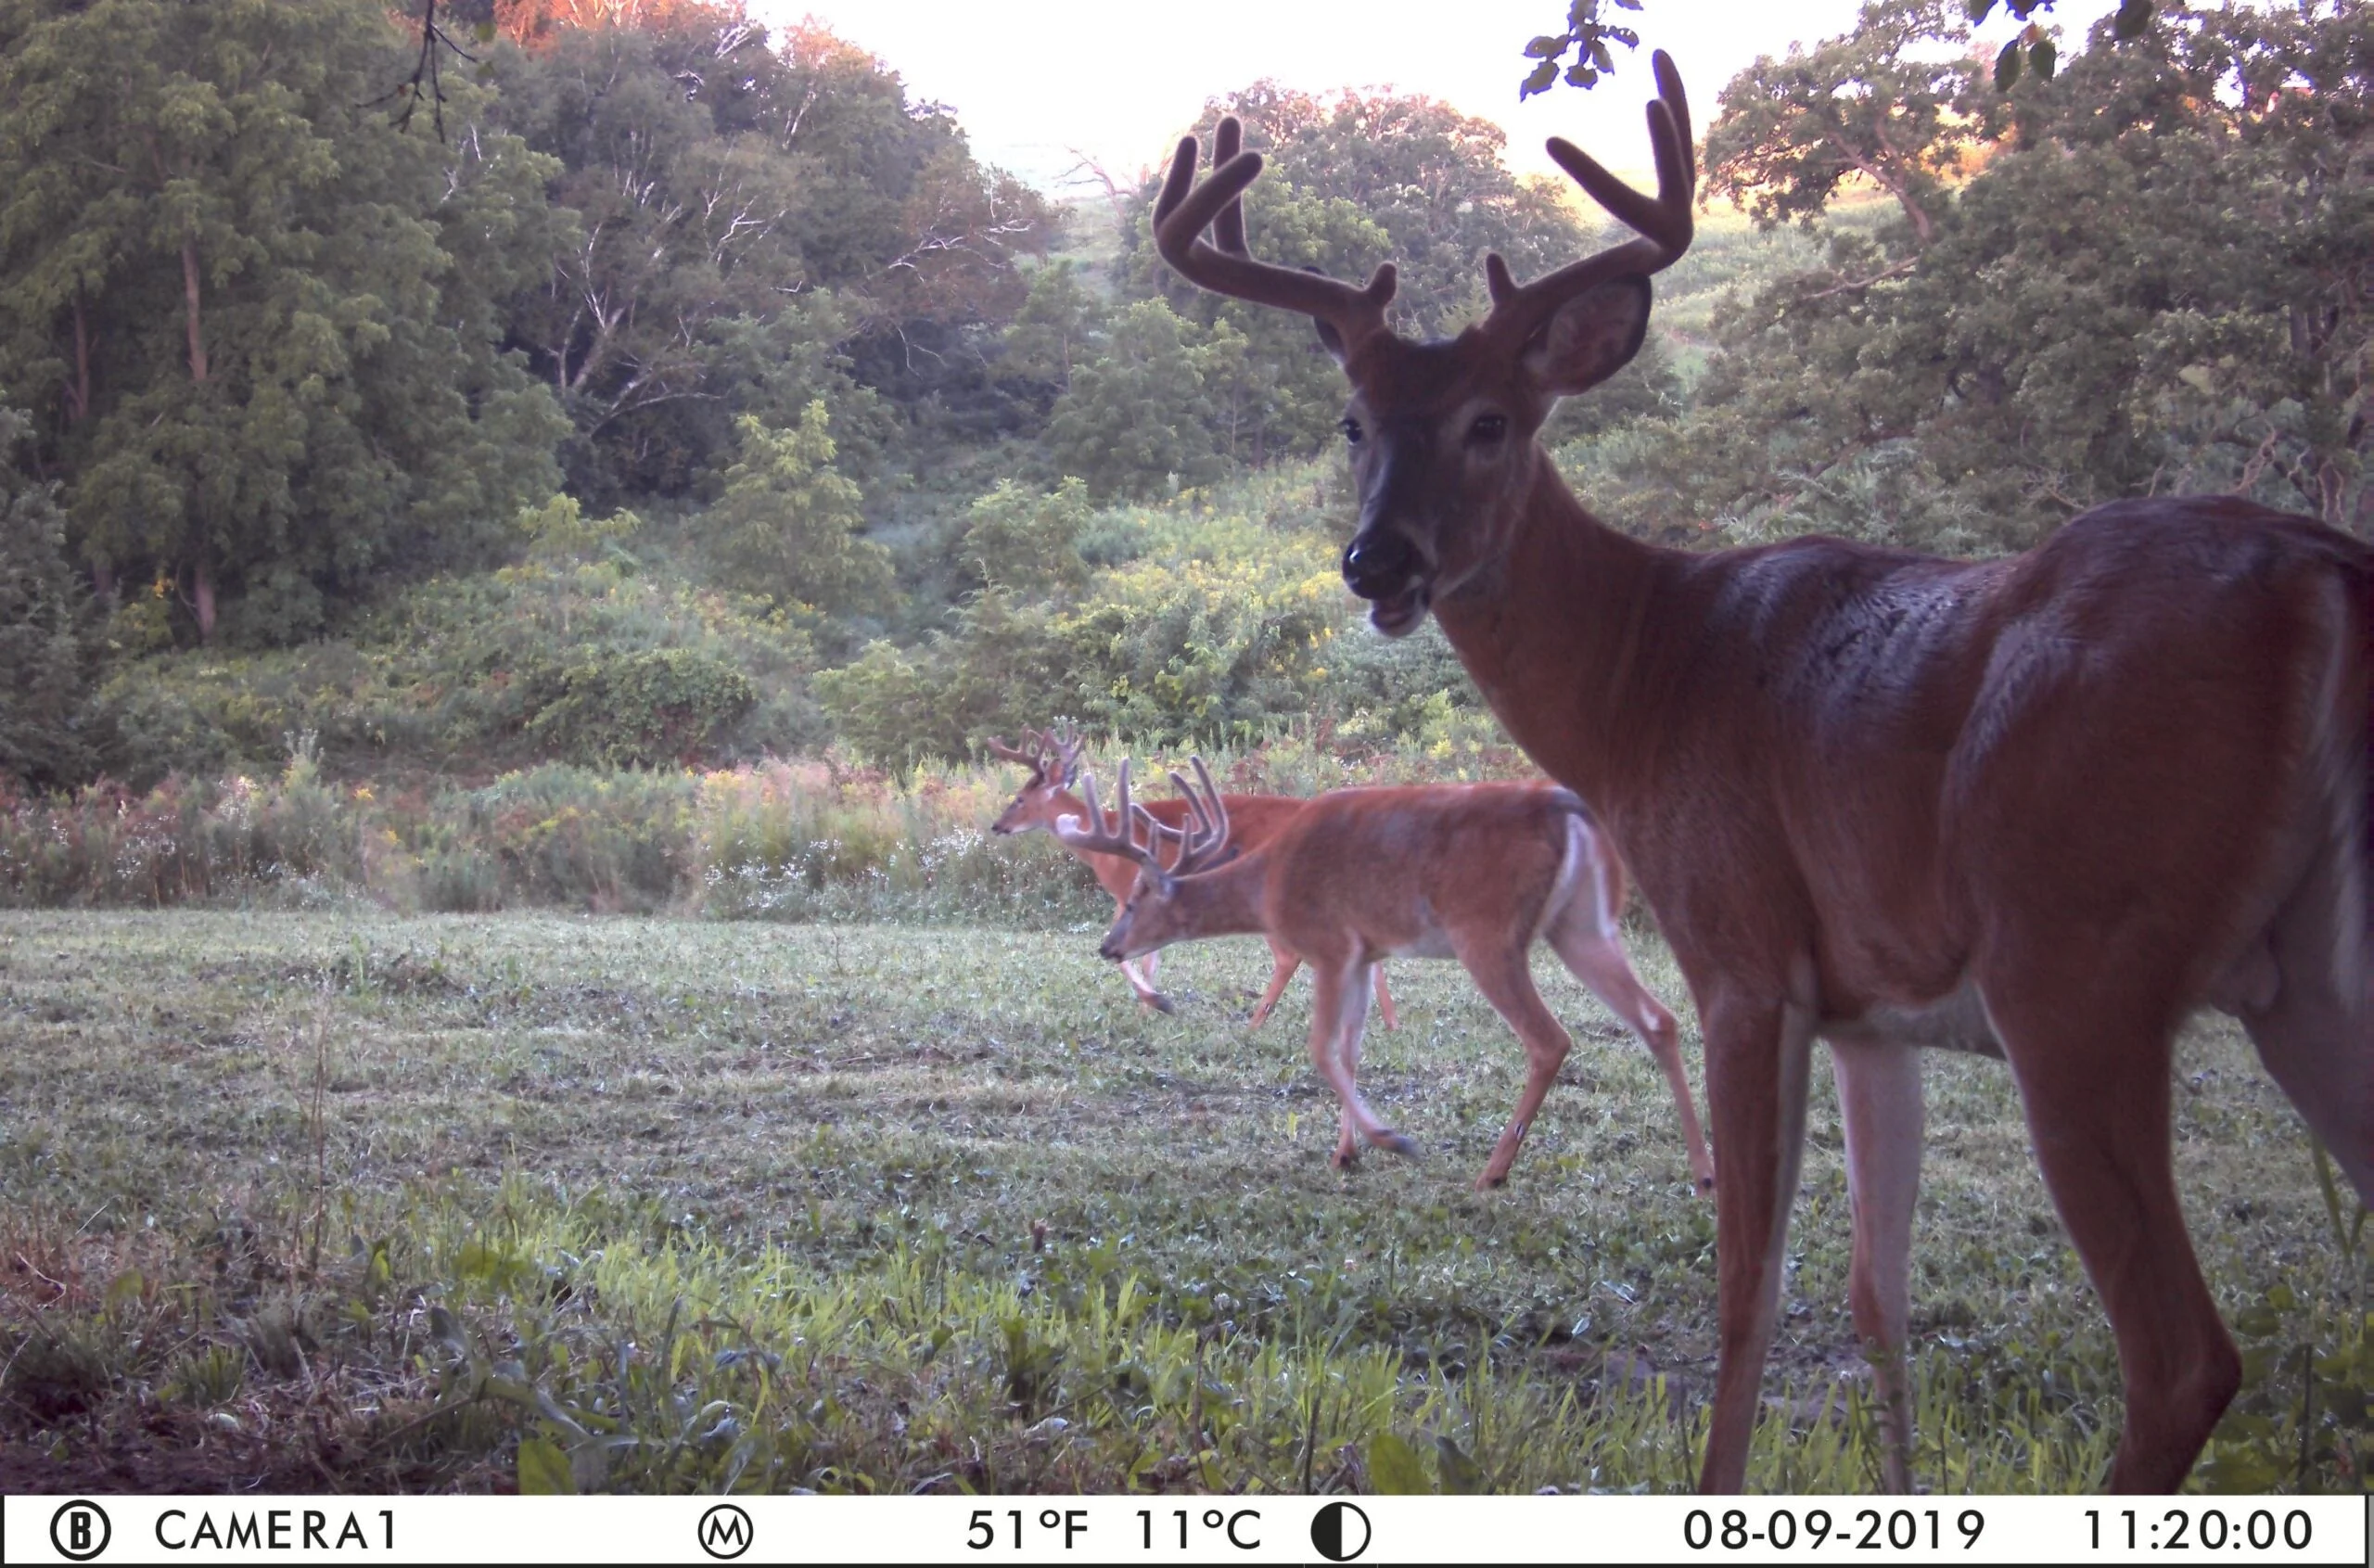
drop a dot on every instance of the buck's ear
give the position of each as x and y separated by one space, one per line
1590 338
1330 340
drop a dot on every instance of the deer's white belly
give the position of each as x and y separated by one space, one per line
1956 1021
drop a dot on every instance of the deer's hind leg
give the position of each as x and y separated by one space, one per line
2087 1023
1501 973
1594 955
2316 1031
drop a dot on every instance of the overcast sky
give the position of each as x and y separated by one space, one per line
1038 83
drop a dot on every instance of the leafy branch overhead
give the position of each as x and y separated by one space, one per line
2031 48
1588 36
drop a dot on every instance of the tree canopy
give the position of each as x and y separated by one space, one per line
2146 275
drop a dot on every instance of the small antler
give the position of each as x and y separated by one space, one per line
1113 835
1663 223
1181 214
1003 752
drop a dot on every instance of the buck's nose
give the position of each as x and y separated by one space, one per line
1378 565
1109 949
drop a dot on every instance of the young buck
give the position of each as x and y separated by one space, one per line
2041 807
1479 873
1053 757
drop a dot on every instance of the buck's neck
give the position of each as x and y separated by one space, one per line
1558 638
1225 901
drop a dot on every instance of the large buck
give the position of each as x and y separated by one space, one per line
1053 755
2041 807
1479 873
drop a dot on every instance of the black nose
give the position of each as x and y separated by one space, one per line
1377 564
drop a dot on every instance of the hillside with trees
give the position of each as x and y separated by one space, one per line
679 392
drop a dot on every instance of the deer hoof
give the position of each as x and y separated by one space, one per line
1400 1143
1705 1185
1487 1181
1159 1001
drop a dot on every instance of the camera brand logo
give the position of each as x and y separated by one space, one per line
725 1531
79 1530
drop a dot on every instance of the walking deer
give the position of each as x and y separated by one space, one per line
1479 873
1053 757
2041 807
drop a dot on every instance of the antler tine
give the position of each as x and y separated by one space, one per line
1185 210
1664 223
1104 835
1201 849
1200 819
1068 743
1156 832
1212 794
997 749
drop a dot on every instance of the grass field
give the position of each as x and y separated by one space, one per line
345 1200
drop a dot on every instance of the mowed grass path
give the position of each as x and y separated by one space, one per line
209 1119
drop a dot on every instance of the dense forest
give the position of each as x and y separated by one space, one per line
676 390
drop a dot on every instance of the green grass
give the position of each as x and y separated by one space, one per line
344 1199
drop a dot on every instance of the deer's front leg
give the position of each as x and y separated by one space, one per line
1878 1099
1757 1055
1282 964
1144 985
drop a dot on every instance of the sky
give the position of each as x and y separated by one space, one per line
1039 83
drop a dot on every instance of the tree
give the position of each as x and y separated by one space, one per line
2154 283
1136 419
1885 103
757 223
789 524
272 375
673 258
1028 541
1053 330
45 646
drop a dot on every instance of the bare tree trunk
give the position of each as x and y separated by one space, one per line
202 579
78 391
202 601
190 292
103 583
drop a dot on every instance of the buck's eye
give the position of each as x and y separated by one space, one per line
1487 429
1352 431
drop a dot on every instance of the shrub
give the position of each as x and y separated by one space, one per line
1222 623
473 675
667 705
